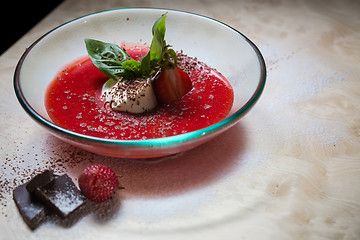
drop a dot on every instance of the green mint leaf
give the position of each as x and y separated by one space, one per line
159 26
161 54
131 69
158 41
172 53
114 62
145 67
131 65
107 57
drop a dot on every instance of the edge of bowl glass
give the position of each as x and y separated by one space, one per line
147 142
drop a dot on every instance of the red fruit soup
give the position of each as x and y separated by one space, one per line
73 101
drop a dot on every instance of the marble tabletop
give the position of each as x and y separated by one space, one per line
289 170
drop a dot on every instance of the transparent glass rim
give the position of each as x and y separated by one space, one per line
232 119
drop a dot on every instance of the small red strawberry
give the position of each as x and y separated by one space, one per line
171 85
98 182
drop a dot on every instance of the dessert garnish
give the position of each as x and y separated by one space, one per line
135 96
171 84
40 180
135 92
130 87
47 193
31 209
98 182
61 196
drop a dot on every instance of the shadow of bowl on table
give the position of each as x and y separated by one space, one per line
168 175
176 174
161 177
151 178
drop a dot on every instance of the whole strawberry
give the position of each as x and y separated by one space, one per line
98 182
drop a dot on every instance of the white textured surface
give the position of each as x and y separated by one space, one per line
289 170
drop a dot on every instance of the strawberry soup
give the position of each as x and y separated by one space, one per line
73 101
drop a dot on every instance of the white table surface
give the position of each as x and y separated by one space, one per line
289 170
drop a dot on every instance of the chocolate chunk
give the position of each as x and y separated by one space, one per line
32 211
40 180
62 196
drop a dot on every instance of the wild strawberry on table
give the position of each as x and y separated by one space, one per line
98 182
171 85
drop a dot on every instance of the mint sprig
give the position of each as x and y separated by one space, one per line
107 57
114 62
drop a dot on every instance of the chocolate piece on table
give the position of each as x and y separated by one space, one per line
62 196
32 211
40 180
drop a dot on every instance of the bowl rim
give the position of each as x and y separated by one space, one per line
142 142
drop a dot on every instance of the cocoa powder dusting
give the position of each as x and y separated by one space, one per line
26 161
26 155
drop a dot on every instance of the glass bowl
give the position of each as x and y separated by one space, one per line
215 43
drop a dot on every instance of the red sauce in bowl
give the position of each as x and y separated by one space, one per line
73 101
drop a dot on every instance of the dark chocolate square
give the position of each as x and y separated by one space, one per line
40 180
32 211
62 196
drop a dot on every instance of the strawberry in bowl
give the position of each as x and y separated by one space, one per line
139 100
171 84
146 94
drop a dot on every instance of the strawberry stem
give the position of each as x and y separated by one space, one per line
120 176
